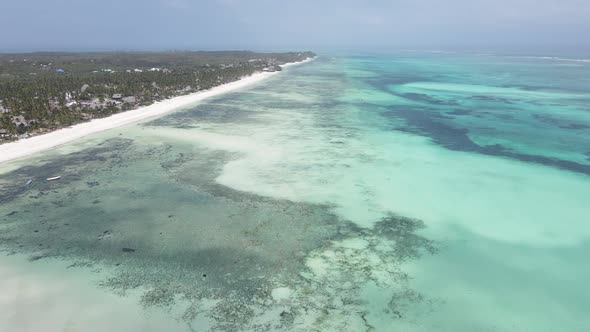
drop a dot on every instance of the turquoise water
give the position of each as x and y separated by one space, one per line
389 192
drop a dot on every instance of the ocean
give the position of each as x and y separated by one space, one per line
392 191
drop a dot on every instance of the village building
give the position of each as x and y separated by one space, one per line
21 123
92 104
130 100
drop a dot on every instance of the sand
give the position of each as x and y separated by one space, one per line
47 296
26 147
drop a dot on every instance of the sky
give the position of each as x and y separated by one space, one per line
278 24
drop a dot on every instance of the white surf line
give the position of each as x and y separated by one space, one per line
26 147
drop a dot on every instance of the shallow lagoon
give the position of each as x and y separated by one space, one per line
402 191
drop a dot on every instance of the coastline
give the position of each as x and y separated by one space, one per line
26 147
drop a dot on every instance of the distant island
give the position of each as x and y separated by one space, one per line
42 92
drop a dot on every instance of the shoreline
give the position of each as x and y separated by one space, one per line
29 146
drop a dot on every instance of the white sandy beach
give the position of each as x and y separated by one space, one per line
29 146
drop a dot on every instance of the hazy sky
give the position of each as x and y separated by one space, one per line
203 24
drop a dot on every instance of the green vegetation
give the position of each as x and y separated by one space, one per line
45 91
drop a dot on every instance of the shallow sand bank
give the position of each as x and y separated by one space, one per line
47 296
